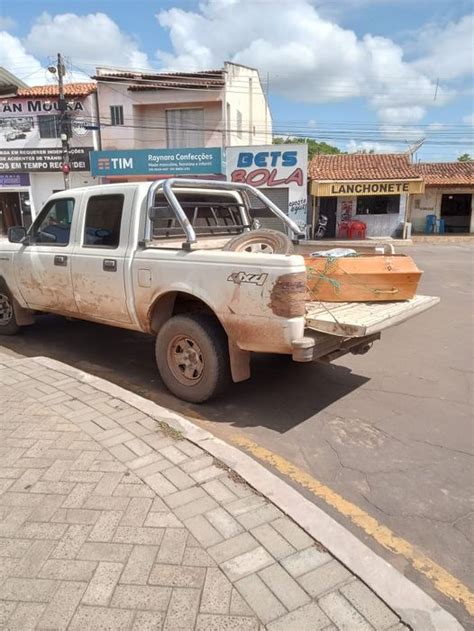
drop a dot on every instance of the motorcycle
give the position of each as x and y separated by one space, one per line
320 229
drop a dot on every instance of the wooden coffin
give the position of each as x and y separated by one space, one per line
363 278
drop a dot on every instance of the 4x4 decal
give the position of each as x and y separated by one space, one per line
244 277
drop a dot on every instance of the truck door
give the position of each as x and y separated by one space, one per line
99 262
43 264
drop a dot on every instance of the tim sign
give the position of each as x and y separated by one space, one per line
273 166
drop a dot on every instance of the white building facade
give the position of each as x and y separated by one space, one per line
206 109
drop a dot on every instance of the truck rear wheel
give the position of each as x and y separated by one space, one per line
8 323
192 357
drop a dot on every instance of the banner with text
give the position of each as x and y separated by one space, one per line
197 161
43 160
271 167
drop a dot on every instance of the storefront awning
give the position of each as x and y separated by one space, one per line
351 188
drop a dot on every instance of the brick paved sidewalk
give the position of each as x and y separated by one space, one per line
110 520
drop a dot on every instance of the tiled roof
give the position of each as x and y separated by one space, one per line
446 173
204 79
70 89
362 166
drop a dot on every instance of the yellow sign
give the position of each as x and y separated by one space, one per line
351 188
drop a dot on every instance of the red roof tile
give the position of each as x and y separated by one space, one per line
446 173
362 166
70 89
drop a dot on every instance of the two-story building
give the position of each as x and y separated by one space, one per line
147 119
31 154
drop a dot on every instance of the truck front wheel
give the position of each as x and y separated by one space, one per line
192 357
8 323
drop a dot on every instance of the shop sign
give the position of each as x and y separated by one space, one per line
273 166
43 160
14 179
197 161
364 187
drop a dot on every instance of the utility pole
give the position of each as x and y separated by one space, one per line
63 122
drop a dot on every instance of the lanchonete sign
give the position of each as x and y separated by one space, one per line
197 161
348 188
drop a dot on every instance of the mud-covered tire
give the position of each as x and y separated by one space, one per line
263 240
8 323
192 357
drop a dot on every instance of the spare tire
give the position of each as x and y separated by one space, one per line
263 241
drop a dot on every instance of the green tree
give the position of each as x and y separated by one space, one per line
465 157
314 147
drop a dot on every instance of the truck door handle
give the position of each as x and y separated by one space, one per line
109 265
60 260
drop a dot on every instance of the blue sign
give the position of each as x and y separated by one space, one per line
14 179
166 162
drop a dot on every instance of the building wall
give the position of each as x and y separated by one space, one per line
244 94
385 225
430 204
151 123
145 115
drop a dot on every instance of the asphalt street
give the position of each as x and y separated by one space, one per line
390 431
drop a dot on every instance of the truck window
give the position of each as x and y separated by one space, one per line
103 220
53 225
210 215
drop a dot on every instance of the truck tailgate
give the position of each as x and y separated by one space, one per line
358 319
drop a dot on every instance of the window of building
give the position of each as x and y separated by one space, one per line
48 126
378 204
239 124
103 220
185 128
116 114
53 225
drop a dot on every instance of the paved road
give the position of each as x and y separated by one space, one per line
390 431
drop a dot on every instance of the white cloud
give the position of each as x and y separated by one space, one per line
309 58
447 51
14 58
90 40
354 146
6 23
469 119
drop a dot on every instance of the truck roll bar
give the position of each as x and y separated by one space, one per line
170 196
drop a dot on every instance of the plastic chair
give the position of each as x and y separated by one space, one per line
357 230
430 226
343 232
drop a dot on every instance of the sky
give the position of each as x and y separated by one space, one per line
359 74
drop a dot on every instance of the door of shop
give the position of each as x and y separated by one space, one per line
456 212
328 207
10 211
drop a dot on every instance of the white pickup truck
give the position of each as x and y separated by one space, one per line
182 260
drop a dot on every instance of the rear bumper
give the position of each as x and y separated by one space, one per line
323 347
334 329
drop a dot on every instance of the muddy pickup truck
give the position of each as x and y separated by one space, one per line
187 262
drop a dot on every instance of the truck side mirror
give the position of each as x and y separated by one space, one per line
16 234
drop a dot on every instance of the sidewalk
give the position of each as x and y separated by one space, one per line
109 519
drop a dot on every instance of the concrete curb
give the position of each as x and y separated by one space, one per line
413 606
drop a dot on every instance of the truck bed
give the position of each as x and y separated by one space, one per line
359 319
